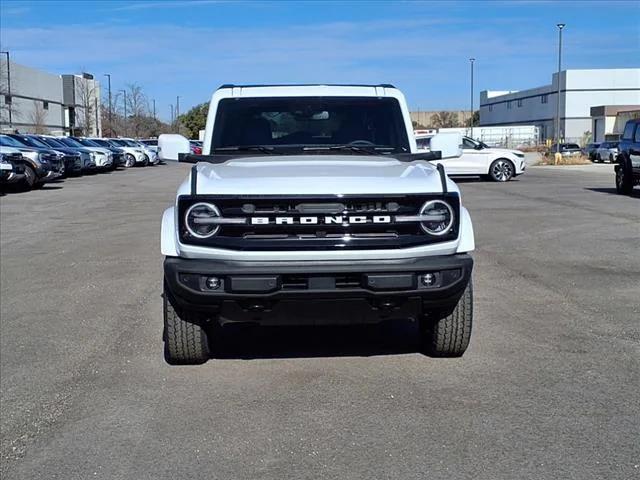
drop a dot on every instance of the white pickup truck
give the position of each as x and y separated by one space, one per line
311 205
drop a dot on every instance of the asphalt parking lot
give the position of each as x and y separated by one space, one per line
548 388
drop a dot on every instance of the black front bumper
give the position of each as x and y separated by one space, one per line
317 292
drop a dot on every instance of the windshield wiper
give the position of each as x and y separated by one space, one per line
367 149
249 148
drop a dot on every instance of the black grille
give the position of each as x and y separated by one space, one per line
320 235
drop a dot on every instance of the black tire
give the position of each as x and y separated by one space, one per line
185 343
611 160
624 177
502 170
449 336
130 160
29 177
598 158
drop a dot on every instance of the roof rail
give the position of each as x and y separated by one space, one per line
231 85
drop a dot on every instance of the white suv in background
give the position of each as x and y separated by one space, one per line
150 153
478 159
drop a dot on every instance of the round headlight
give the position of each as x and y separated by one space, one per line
440 218
200 222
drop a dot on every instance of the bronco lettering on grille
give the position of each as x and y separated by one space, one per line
327 220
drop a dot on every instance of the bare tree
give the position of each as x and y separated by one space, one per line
85 91
38 118
444 119
137 109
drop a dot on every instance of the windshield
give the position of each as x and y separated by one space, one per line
70 142
304 122
101 143
86 142
150 142
33 142
52 142
11 142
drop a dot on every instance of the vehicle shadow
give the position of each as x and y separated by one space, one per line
250 342
634 194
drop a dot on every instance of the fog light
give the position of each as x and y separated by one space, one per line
428 279
212 283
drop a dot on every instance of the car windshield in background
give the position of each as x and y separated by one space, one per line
70 142
53 143
302 123
150 142
33 142
102 143
10 142
87 143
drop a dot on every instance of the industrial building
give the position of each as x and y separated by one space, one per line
34 101
580 90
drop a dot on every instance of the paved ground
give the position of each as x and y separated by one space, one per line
548 389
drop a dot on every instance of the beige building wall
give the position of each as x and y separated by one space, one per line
425 118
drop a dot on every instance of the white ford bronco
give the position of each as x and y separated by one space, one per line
311 205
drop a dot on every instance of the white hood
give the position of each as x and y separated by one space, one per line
315 175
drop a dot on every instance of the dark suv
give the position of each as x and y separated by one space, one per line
628 166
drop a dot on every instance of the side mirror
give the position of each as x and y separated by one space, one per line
172 147
447 143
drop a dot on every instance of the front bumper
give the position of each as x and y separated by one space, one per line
299 293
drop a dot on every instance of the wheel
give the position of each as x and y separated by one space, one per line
611 158
624 178
598 158
29 176
145 163
185 343
129 160
501 170
449 336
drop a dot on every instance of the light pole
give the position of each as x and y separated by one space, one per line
108 75
560 27
125 111
154 108
9 88
178 113
171 106
471 60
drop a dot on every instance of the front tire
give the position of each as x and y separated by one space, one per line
185 343
501 170
29 177
449 336
624 178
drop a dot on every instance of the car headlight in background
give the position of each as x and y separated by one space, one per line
441 217
200 220
42 158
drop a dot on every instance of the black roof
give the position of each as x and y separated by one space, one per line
231 85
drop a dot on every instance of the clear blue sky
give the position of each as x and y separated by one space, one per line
188 48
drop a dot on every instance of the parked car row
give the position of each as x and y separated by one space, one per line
32 160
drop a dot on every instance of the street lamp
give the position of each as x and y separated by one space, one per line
9 87
108 75
560 27
125 111
471 60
